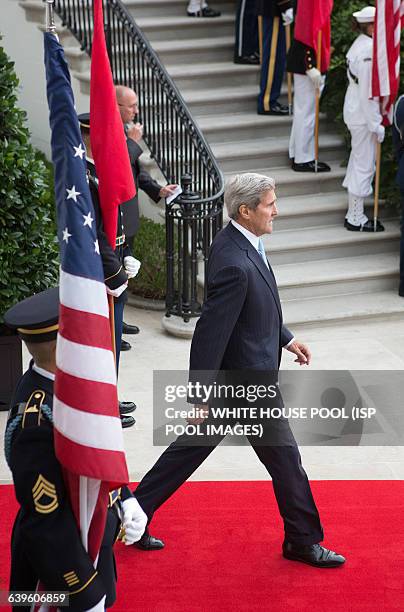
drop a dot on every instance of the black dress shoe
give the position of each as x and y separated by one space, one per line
365 227
311 167
125 346
127 421
313 554
275 109
129 329
205 12
127 407
247 59
147 542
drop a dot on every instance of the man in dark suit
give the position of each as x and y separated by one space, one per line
241 329
128 108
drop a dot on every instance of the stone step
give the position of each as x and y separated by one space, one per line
149 8
290 183
224 100
326 310
192 51
273 151
246 126
175 28
328 242
333 277
204 76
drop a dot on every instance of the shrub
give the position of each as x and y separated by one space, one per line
28 248
150 249
336 85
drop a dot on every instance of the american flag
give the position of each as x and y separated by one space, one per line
87 427
386 55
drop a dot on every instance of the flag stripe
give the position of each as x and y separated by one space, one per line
82 293
87 362
85 328
93 396
100 461
94 430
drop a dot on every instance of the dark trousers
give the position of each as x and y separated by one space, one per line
246 30
119 304
273 62
281 458
401 287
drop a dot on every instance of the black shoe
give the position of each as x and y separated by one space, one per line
127 421
365 227
313 554
125 346
275 109
127 407
205 12
247 59
147 542
129 329
311 167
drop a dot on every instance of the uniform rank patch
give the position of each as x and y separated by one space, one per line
71 578
44 495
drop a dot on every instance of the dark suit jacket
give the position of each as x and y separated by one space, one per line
398 140
144 181
241 322
273 8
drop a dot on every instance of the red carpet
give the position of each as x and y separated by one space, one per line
223 542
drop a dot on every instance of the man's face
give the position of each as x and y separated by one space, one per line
128 106
260 218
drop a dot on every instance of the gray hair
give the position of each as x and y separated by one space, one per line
246 189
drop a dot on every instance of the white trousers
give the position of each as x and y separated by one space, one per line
196 5
301 143
362 161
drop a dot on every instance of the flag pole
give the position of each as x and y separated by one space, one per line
316 126
377 185
50 23
112 322
260 37
289 74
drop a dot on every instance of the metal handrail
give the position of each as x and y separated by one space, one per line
170 132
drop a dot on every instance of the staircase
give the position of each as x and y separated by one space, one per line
324 272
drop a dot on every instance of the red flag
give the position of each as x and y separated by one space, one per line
312 17
386 55
108 143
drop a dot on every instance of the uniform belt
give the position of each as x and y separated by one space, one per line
120 240
353 77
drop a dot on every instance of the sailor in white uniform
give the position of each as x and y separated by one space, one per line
363 119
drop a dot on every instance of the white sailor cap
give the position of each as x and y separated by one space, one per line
366 15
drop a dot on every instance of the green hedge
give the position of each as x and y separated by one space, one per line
150 249
28 248
333 99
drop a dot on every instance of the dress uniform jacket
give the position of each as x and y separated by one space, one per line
273 8
144 181
46 545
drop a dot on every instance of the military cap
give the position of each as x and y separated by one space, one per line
366 15
84 121
36 318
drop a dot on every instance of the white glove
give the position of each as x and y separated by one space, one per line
118 291
380 132
287 17
315 77
134 520
131 265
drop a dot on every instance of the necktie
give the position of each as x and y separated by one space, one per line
261 251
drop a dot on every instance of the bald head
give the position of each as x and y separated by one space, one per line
127 103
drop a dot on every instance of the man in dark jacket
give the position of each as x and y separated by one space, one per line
398 141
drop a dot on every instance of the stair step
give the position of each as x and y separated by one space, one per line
327 310
328 242
333 277
207 75
275 151
147 8
174 28
192 51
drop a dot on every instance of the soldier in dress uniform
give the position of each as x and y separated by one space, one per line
363 119
46 546
398 142
246 33
276 14
301 61
119 264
